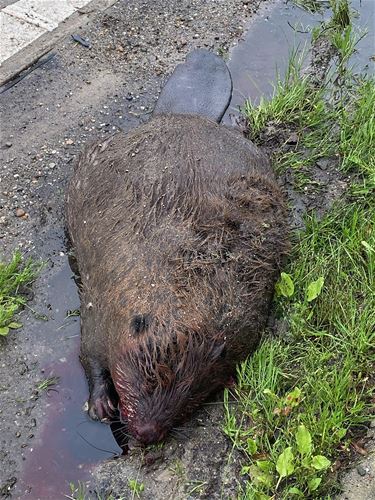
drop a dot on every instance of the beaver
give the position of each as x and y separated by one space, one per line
179 229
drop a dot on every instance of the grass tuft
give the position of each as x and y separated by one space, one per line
310 5
14 277
47 383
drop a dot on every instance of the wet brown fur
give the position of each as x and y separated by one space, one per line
181 221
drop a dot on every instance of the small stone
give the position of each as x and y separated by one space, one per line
18 434
361 470
20 212
52 165
293 138
322 164
69 142
8 144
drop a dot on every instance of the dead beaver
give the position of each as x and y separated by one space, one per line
179 229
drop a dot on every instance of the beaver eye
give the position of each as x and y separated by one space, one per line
140 323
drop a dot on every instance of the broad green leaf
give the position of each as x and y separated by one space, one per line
251 446
320 462
245 470
15 325
4 330
265 465
285 285
284 464
314 483
303 439
295 491
269 393
341 432
260 477
294 396
314 289
261 496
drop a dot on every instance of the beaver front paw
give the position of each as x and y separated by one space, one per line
101 405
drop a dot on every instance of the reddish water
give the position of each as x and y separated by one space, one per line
69 442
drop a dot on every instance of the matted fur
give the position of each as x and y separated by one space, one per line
181 220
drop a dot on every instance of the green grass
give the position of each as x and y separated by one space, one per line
136 487
80 491
341 14
47 383
14 277
301 398
334 120
310 5
77 492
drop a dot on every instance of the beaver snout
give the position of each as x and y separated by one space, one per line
149 433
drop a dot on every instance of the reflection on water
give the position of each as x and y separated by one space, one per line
266 47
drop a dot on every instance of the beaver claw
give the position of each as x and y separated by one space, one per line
101 409
100 406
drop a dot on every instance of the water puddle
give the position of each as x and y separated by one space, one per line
272 34
69 443
265 49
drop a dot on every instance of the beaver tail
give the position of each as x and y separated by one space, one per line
200 86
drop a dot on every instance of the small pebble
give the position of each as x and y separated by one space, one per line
361 470
20 212
292 139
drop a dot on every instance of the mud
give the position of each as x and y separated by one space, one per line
80 94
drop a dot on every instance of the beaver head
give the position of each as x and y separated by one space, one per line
161 377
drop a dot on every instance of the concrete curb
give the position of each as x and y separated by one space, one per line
31 28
